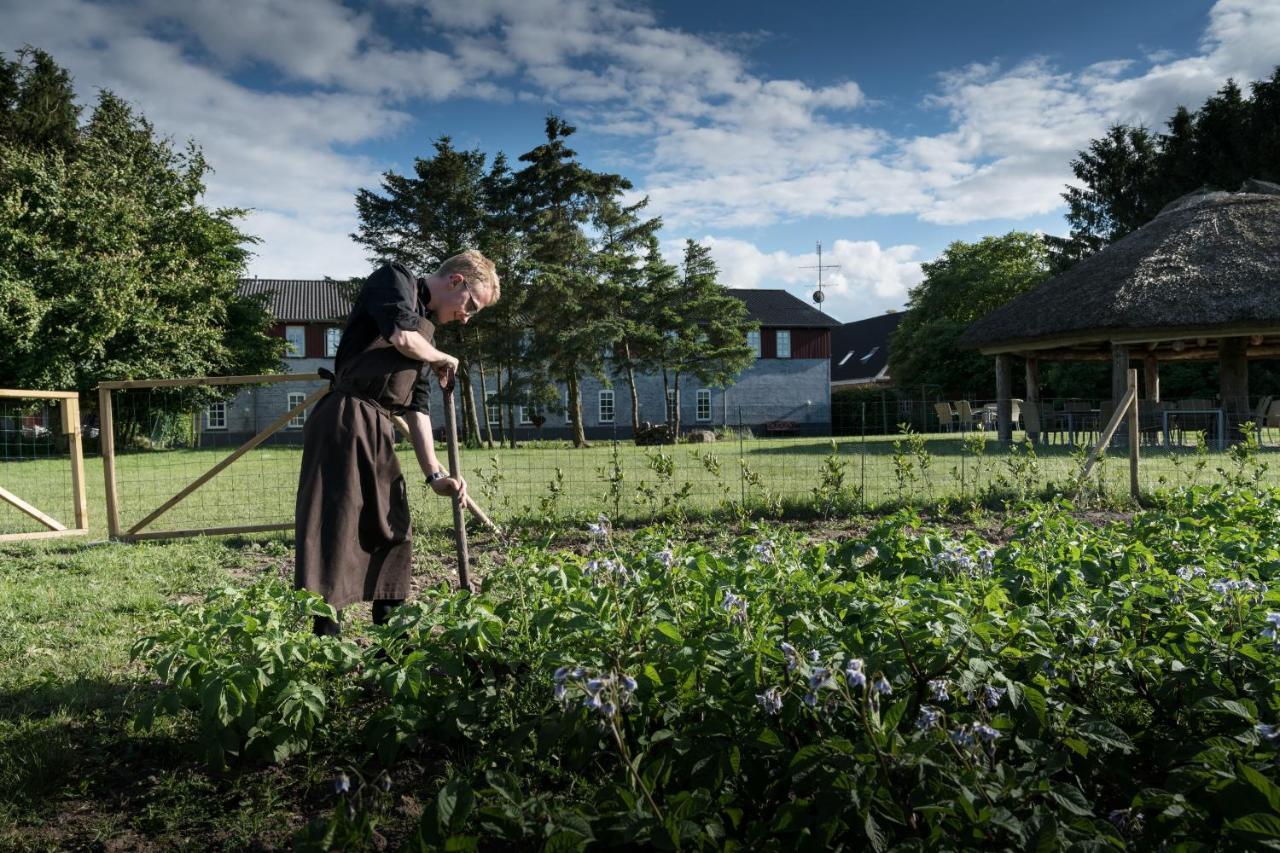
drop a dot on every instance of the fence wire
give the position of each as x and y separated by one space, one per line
35 464
858 455
166 439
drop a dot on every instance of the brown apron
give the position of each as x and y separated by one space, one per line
352 522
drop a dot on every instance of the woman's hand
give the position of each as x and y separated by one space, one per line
448 487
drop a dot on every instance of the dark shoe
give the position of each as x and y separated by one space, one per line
382 609
323 626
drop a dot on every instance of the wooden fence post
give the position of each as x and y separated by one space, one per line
107 441
1134 433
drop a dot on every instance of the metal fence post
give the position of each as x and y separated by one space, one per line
865 502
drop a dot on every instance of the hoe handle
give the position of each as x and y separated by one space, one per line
459 528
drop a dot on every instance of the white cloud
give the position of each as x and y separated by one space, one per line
713 142
870 279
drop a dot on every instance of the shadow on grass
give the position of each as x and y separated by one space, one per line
73 737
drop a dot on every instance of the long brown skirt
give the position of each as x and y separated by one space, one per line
352 522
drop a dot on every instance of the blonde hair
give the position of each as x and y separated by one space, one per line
477 269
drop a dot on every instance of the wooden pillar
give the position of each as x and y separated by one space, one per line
1132 389
1233 374
1004 396
1119 373
1033 399
1151 382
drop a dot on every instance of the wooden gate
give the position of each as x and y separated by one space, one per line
138 531
69 408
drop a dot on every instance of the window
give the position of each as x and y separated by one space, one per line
332 336
784 343
704 405
527 414
606 407
295 398
847 356
867 357
296 337
753 341
671 405
493 409
215 417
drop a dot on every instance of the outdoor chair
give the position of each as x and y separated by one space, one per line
1105 412
1042 422
946 416
1191 416
1260 415
969 418
1151 421
1272 418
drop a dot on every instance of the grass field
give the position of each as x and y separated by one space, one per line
73 773
626 482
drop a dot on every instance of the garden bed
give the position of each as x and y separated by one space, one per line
1044 676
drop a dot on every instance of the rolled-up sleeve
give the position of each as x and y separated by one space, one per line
389 295
421 400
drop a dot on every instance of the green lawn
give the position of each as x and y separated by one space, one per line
74 774
559 480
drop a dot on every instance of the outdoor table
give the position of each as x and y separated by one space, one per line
1222 433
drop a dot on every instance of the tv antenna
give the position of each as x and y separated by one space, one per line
818 295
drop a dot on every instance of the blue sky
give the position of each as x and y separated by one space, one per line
885 130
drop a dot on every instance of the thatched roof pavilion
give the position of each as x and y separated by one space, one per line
1200 281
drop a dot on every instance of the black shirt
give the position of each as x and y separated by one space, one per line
392 298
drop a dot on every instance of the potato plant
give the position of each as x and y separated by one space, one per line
1071 686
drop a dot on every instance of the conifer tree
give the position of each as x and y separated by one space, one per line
421 220
557 197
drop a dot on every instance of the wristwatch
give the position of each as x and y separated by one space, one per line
435 475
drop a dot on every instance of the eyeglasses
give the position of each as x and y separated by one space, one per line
471 306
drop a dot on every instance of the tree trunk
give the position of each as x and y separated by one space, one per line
635 398
575 406
470 424
484 397
511 415
497 395
675 419
666 396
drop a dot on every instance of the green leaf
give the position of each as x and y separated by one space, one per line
1076 745
669 632
453 804
1071 799
1036 702
1106 733
768 737
1264 785
874 835
1264 825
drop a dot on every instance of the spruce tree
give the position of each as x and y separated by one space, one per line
568 303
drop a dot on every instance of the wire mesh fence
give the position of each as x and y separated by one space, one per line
872 454
856 455
205 455
42 491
